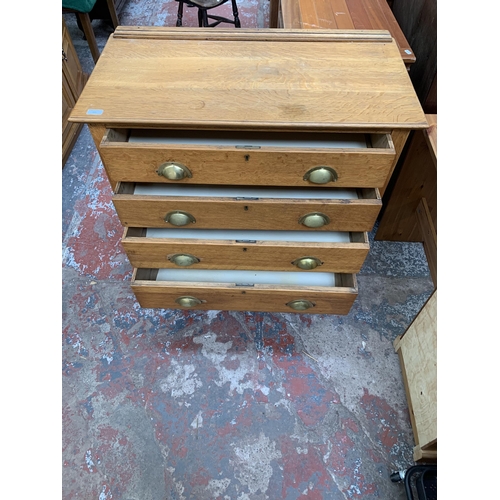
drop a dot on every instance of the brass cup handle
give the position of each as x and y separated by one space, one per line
183 259
300 305
307 263
179 218
188 301
321 175
314 219
174 171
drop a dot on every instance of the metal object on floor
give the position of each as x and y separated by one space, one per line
419 479
204 17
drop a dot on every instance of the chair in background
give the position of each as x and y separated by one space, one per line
204 17
85 11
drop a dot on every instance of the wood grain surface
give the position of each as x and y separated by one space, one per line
259 255
431 136
415 179
248 82
417 349
139 162
230 297
429 237
230 213
345 14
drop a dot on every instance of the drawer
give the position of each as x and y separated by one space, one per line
248 158
229 207
324 293
317 251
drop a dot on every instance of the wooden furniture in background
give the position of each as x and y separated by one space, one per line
410 214
209 174
81 9
73 82
108 11
274 7
417 350
88 10
410 207
418 21
340 14
205 17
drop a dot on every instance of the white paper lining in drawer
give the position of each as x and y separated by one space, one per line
251 139
247 277
244 235
244 192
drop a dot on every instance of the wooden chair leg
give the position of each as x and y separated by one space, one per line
273 13
89 35
113 13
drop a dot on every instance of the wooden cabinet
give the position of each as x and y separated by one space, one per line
410 205
418 21
73 82
247 165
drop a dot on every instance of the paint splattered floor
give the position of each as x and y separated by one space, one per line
170 405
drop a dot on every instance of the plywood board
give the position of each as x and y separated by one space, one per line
418 349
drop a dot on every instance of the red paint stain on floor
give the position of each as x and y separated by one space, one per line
303 388
341 445
345 462
303 469
383 417
95 247
201 477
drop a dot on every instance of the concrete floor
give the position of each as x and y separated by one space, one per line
171 405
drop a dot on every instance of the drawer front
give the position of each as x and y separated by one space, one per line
233 213
336 257
249 165
233 297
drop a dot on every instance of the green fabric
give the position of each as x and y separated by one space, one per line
79 5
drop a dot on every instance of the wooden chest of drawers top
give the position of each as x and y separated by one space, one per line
250 79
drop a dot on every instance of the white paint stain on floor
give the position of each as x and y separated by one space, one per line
252 462
181 381
245 376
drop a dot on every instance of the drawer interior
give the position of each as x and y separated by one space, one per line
247 278
246 193
238 192
249 236
252 140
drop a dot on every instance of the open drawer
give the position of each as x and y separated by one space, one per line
318 251
248 158
324 293
232 207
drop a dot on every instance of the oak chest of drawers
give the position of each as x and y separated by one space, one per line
248 165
